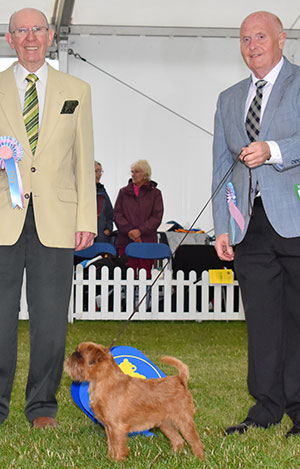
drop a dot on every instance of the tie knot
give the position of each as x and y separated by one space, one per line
31 77
260 84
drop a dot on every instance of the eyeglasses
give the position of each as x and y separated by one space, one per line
36 30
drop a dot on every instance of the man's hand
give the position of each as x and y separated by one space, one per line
83 240
256 154
224 250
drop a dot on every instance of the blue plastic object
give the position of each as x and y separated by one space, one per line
96 250
148 250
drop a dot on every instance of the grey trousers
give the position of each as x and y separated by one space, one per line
48 288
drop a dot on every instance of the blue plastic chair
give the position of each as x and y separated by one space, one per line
148 251
96 250
155 251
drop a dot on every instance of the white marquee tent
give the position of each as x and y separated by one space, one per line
180 53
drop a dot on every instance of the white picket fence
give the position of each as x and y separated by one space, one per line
168 299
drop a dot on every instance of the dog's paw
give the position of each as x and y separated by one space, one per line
118 455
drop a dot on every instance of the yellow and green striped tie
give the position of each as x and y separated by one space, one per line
31 111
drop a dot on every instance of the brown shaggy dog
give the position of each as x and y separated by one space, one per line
125 404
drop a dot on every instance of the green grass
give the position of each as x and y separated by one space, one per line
216 353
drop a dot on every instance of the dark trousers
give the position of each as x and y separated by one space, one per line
48 287
268 271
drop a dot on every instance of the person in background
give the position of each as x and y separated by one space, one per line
257 216
138 213
104 209
49 114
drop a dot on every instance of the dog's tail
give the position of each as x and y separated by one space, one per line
182 368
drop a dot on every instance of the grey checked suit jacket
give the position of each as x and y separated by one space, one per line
280 123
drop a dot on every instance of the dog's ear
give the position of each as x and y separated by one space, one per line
97 355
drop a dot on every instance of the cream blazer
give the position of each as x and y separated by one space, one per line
61 174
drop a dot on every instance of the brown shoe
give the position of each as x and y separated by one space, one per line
43 422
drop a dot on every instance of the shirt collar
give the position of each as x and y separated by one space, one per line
272 75
41 73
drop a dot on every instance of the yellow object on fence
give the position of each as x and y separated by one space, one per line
221 276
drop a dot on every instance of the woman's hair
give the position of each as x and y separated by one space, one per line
144 166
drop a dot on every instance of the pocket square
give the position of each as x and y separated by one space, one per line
69 107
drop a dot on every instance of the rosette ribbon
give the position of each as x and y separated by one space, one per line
235 213
11 152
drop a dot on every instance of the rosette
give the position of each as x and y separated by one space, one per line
236 215
11 152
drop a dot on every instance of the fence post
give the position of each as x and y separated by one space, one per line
154 294
78 284
192 293
140 292
91 290
102 289
205 293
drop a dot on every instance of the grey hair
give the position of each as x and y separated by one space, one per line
144 166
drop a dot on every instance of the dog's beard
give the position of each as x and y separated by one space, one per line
75 368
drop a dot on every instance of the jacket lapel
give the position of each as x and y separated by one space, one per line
52 108
276 95
240 103
11 108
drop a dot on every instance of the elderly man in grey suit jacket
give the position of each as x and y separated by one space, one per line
257 216
58 211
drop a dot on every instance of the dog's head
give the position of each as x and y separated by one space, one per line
82 364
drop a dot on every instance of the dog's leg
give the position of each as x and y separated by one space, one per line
109 446
188 430
171 432
117 443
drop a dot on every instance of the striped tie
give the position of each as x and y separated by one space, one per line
31 111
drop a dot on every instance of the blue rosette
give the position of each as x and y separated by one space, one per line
11 152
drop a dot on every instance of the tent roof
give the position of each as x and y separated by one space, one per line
184 13
176 13
215 18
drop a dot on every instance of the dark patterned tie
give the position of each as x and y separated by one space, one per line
31 111
253 127
253 115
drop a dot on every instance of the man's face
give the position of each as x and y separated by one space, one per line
98 172
30 48
262 42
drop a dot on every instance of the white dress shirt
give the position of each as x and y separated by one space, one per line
270 78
